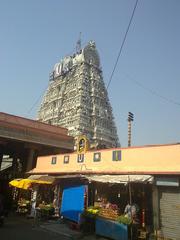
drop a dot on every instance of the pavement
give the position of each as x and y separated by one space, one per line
63 229
19 227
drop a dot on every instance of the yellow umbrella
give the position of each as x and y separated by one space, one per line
26 183
20 183
15 182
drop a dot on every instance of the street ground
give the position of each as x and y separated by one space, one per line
21 228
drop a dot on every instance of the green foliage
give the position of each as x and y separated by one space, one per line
46 207
91 212
124 220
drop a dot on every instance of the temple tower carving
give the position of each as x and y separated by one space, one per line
77 99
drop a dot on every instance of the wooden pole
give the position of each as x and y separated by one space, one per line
130 202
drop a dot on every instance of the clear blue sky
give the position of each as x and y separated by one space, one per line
36 34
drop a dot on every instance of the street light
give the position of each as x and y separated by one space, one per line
130 116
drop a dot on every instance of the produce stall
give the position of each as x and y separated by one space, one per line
105 221
111 229
46 211
29 186
123 203
23 206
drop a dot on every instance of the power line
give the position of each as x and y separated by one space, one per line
123 42
38 99
153 92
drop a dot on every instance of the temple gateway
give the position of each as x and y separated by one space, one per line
77 99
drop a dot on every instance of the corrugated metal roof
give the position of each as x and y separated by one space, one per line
121 178
98 178
42 178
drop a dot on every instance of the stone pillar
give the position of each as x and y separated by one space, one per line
14 166
56 200
30 159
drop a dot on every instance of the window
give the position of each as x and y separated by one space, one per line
97 157
66 159
116 155
53 160
80 158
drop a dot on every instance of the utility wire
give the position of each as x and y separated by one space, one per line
123 42
153 92
36 102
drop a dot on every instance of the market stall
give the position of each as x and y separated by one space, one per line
28 194
105 221
111 229
124 205
23 206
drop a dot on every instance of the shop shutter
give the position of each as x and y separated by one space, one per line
169 198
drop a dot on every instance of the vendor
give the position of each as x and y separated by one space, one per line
104 203
33 201
131 211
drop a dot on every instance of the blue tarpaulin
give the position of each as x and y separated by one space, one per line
73 202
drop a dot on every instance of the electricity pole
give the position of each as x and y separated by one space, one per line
130 119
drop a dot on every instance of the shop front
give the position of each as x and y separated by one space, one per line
139 202
69 196
168 204
33 194
122 205
114 206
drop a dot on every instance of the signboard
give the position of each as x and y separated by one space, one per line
82 144
167 181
